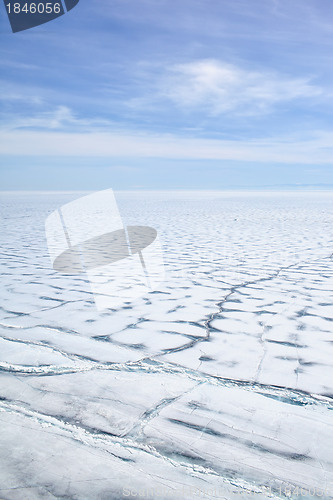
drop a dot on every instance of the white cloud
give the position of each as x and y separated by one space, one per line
56 119
315 150
220 88
61 118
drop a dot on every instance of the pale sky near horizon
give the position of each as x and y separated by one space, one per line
153 94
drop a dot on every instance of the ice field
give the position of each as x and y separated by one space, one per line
217 385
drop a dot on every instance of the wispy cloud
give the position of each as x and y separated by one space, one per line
215 88
61 118
316 149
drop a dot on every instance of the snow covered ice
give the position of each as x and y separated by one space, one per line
218 384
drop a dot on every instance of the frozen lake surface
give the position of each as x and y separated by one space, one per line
217 385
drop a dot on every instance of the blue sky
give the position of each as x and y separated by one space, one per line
165 94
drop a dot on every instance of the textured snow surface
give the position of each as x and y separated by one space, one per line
217 385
